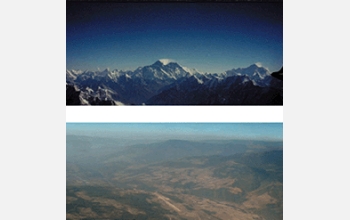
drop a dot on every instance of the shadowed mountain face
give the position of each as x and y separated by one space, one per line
233 90
175 179
171 84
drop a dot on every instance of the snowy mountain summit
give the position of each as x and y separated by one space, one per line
165 82
165 70
166 61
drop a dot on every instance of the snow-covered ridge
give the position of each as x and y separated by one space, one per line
163 81
169 71
256 69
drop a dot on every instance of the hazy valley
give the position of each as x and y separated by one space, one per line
174 179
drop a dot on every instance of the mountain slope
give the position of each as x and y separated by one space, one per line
233 90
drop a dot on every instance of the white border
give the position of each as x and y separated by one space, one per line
174 113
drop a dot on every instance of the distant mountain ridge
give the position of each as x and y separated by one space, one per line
79 147
165 82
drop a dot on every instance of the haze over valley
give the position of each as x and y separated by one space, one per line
120 178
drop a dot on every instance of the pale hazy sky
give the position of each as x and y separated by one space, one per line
262 131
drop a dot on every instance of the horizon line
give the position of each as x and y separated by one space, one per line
258 64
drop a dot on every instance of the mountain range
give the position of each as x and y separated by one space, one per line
168 83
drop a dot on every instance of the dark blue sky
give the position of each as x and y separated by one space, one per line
211 37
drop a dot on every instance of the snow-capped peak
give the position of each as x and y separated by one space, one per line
258 64
166 61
